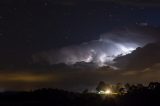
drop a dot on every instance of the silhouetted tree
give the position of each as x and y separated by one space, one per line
132 88
101 86
122 91
140 86
118 86
154 85
127 86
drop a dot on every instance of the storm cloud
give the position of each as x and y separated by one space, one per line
101 51
141 58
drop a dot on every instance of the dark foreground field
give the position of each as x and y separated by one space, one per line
136 96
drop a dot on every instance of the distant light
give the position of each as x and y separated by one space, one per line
101 92
108 91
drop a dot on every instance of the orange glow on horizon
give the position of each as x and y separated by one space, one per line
25 77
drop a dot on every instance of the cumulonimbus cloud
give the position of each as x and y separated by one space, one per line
101 51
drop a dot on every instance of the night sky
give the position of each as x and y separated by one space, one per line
74 44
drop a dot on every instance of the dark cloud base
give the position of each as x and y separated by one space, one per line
141 58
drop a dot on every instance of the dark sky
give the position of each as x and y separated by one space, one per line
54 43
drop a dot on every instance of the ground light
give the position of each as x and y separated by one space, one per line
107 92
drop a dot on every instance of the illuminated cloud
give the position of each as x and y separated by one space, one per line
141 58
102 51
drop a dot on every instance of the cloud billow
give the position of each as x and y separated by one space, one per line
102 51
